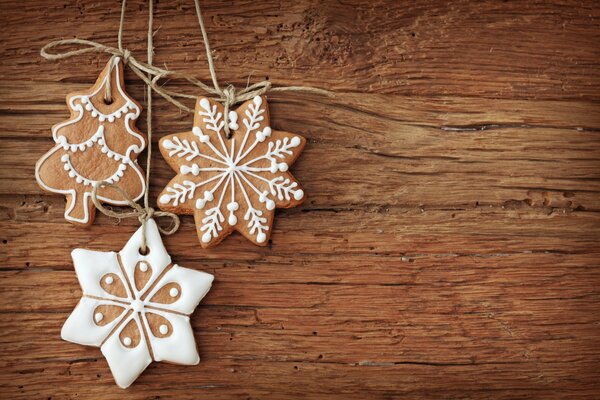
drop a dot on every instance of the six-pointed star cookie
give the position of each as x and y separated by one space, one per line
136 307
231 184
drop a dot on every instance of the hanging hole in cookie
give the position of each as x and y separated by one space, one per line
108 102
144 252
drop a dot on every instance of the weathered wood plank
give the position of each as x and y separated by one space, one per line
513 50
449 244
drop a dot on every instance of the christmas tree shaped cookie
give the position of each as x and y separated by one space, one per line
231 183
99 142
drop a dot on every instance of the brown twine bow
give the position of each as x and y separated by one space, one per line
151 74
143 214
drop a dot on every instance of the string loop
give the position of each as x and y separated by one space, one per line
151 75
143 214
229 97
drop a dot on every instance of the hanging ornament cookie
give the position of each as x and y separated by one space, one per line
231 184
136 308
99 142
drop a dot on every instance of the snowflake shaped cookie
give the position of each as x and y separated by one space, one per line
136 307
231 184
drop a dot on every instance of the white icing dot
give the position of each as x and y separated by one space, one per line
295 141
233 206
79 179
88 107
101 117
282 167
233 120
273 168
111 118
200 203
232 219
260 136
71 174
298 194
270 204
208 196
98 317
204 103
174 292
267 131
194 169
143 267
261 237
257 101
109 280
167 144
64 158
164 199
137 305
73 147
66 167
197 131
163 329
127 341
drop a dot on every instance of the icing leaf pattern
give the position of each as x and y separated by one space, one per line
136 307
231 184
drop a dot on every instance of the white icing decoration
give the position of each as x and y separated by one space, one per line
232 171
143 267
88 182
81 104
173 292
109 280
127 363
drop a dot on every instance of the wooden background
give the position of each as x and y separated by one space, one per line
449 246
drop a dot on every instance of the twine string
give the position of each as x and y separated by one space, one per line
151 76
137 211
143 214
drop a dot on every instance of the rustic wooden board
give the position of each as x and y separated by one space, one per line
449 246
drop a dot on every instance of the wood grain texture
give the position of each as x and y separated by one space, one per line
449 244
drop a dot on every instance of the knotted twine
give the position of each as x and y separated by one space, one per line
145 213
151 75
228 96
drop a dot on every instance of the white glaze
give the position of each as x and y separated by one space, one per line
126 362
233 171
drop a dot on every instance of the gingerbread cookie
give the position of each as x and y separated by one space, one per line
136 307
98 143
231 184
